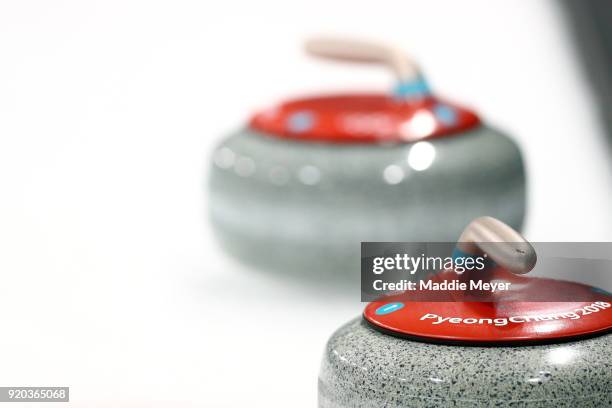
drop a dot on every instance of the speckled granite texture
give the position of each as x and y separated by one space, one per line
313 203
364 368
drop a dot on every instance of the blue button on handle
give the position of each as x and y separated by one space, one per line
389 308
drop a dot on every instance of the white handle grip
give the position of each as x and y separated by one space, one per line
503 244
363 51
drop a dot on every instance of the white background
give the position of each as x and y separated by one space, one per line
111 281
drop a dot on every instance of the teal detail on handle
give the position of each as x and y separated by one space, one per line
601 291
300 121
389 308
445 114
412 89
457 253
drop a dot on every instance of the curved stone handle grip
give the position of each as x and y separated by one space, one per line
500 242
344 49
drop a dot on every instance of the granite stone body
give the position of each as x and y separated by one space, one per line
286 204
364 368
